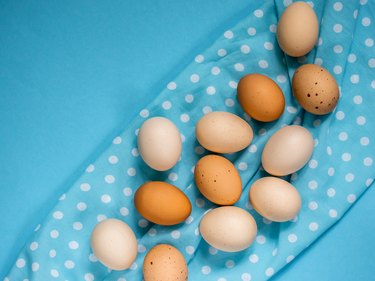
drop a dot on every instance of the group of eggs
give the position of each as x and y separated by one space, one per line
227 228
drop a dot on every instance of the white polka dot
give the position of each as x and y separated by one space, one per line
320 41
273 28
337 6
369 182
212 250
105 198
281 78
184 118
371 63
355 13
351 198
189 250
200 203
364 141
346 157
242 166
343 136
261 239
69 264
232 84
90 168
206 269
189 98
117 140
228 34
292 238
20 263
52 253
144 113
134 266
361 120
349 177
268 46
337 69
166 105
142 223
89 277
289 258
131 172
258 13
73 245
269 271
215 70
340 115
127 191
54 273
332 213
291 109
206 109
253 148
363 2
287 2
239 67
35 266
77 225
338 49
253 258
366 21
58 215
313 226
229 102
337 28
81 206
135 152
34 245
318 61
367 161
152 232
54 234
331 192
251 31
354 78
246 277
62 197
369 42
194 78
113 159
173 177
229 264
313 184
313 164
245 49
222 52
199 59
109 179
313 205
263 64
172 86
124 211
211 90
329 150
357 99
352 58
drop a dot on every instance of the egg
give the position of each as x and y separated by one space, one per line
164 262
315 89
159 143
223 132
287 150
275 199
260 97
228 228
218 180
114 244
298 29
162 203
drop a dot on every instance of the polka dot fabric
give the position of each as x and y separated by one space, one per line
340 170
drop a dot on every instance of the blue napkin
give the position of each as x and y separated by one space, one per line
340 170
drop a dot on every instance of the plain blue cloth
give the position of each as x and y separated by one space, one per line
223 60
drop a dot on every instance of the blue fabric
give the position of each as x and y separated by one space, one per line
338 173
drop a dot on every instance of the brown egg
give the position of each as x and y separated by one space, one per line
315 89
218 180
260 97
164 263
162 203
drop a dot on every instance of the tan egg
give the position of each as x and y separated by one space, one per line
315 89
164 263
260 97
298 29
287 150
275 199
114 244
218 180
162 203
223 132
228 228
159 143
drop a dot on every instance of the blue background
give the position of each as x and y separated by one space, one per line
74 73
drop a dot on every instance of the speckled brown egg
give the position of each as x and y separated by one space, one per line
260 97
218 180
315 89
164 263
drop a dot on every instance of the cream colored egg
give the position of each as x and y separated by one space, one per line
228 228
298 29
223 132
164 263
159 143
275 199
287 150
114 244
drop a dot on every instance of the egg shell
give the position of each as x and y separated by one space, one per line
315 89
164 262
162 203
159 143
275 199
223 132
218 180
114 244
228 228
260 97
298 29
287 150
